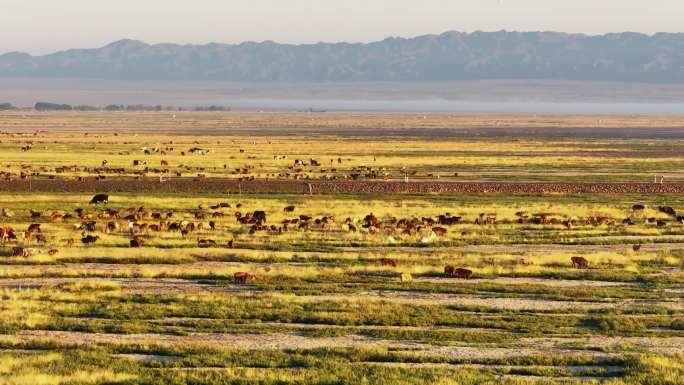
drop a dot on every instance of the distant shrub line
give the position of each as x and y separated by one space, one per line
47 106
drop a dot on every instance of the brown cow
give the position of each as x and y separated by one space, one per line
289 209
109 213
243 278
439 231
580 262
388 262
206 243
17 251
453 272
525 262
111 227
52 252
88 226
463 273
7 234
137 241
636 247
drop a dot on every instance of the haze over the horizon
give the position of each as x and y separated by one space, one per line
58 25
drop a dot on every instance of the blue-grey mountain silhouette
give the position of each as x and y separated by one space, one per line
451 56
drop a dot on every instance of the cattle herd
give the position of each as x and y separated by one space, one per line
140 223
334 174
297 169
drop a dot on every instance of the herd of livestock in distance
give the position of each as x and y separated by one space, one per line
297 169
132 165
140 223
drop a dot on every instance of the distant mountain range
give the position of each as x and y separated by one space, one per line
451 56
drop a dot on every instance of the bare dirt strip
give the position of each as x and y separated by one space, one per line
532 249
283 341
220 185
510 303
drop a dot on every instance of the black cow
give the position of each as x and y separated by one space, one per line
89 239
259 216
99 198
667 210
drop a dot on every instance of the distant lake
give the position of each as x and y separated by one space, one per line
440 105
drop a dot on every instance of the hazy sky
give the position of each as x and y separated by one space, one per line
42 26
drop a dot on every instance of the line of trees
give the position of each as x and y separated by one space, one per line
45 106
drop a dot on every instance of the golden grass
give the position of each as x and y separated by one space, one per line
320 276
489 158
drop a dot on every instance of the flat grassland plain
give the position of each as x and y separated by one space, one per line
344 259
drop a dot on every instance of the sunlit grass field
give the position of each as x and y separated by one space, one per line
239 145
322 297
323 307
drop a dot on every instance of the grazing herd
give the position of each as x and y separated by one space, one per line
140 168
138 226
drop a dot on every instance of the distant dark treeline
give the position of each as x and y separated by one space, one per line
7 107
45 106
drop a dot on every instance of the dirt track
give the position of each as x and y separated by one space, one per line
281 341
216 185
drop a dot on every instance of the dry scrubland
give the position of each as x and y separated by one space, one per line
323 308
